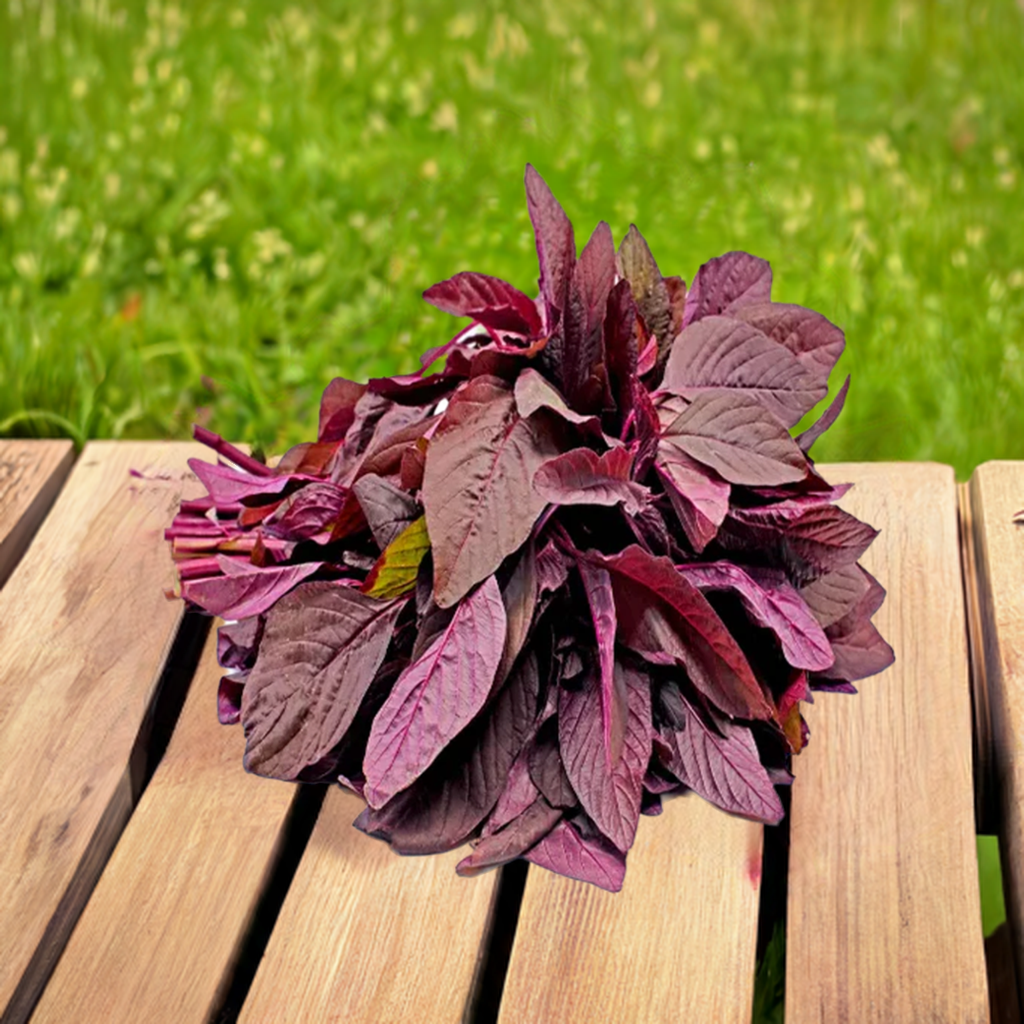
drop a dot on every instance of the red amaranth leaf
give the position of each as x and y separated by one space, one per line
639 268
321 648
442 808
591 859
726 284
827 418
520 597
720 352
658 610
436 696
556 246
583 320
699 496
737 437
582 477
775 604
620 345
834 595
817 539
533 392
597 584
338 408
477 493
226 484
519 793
609 791
388 509
306 513
488 300
512 841
245 589
719 761
815 341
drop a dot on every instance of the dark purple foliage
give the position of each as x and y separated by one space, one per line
576 564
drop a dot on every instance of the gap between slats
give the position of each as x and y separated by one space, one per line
1004 988
169 695
295 833
19 536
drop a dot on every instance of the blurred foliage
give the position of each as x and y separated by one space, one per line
206 212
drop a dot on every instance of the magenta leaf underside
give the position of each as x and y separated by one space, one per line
576 565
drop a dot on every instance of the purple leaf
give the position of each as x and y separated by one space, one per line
597 583
388 509
817 539
533 392
488 300
306 513
412 389
859 653
247 590
832 596
477 493
583 322
229 698
726 284
827 418
609 791
436 696
720 352
719 761
546 769
239 642
620 345
516 797
513 840
520 598
227 484
638 267
552 569
556 246
582 477
659 610
816 342
738 438
321 649
338 408
443 807
776 605
593 860
699 496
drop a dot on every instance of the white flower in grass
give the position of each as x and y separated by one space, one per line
26 264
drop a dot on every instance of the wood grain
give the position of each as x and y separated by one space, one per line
368 936
162 930
996 494
883 920
31 475
84 629
677 943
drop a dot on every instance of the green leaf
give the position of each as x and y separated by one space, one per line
395 571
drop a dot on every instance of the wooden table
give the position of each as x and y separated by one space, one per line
145 877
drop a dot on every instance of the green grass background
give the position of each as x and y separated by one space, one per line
207 211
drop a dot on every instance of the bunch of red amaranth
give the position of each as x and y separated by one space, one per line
579 566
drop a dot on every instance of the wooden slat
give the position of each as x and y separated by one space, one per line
996 494
883 920
162 930
31 475
84 628
677 943
367 936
